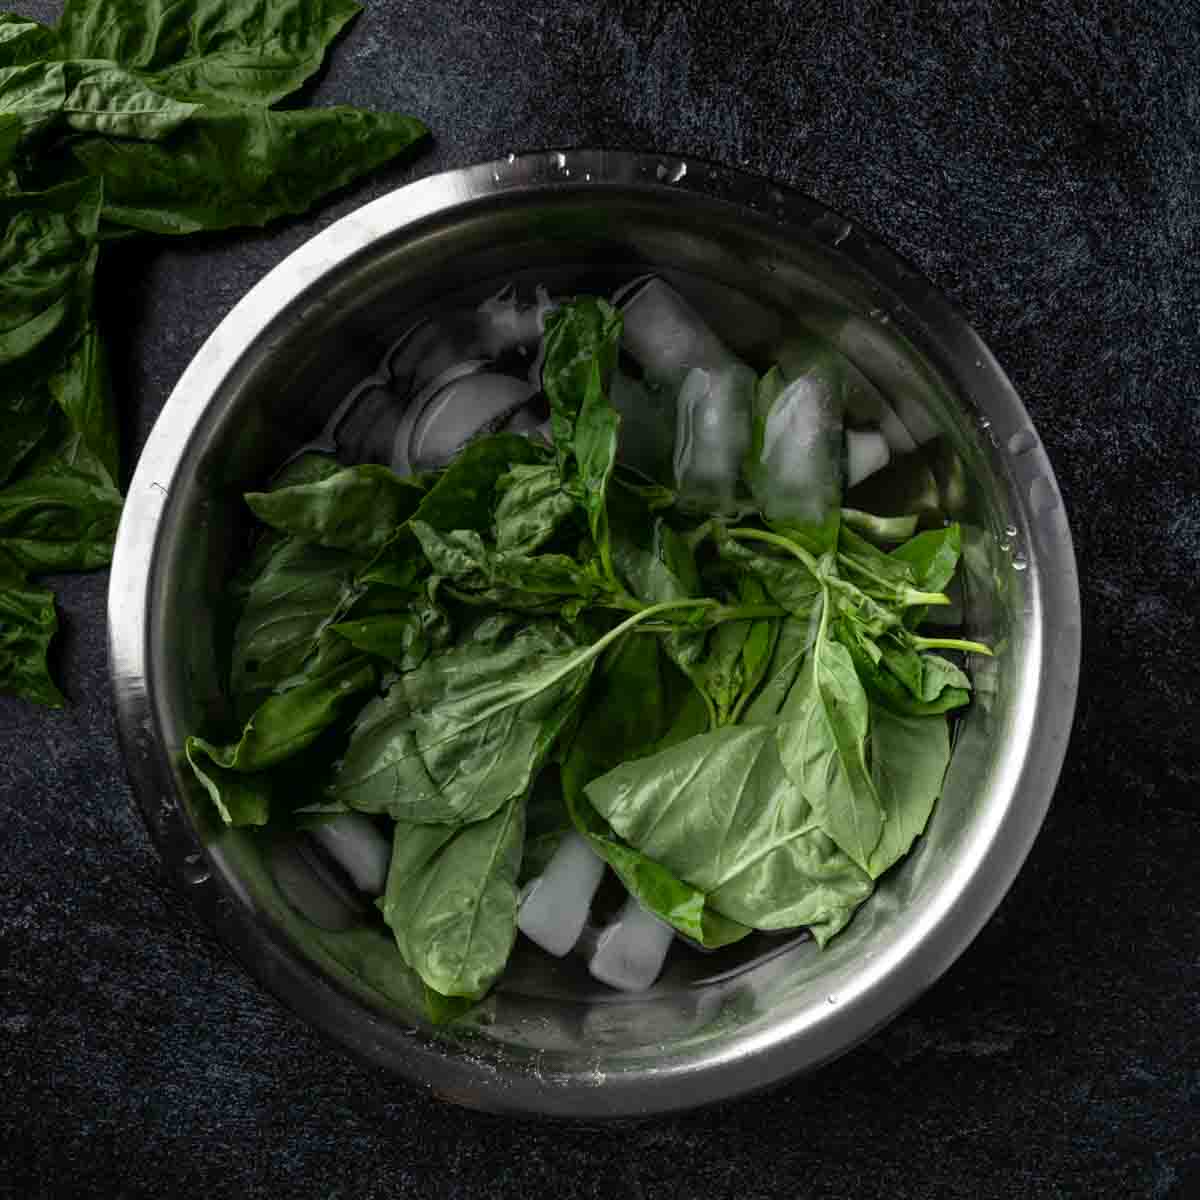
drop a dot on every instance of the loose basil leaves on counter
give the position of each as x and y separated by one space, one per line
131 116
530 642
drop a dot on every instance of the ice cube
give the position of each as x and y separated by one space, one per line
355 843
630 952
555 905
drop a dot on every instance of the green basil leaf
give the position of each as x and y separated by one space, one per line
932 557
939 674
231 166
451 899
546 823
464 496
633 706
47 263
682 906
370 953
401 638
793 641
880 529
239 799
357 509
505 579
909 757
464 733
61 513
23 41
720 813
33 95
580 351
531 507
287 723
822 741
28 622
237 51
869 565
876 670
301 589
102 97
787 581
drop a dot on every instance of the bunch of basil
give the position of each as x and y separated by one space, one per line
131 116
533 640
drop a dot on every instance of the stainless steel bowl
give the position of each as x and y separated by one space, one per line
550 1040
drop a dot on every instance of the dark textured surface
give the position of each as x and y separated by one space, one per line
1042 165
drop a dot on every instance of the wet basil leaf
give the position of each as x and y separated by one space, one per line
451 899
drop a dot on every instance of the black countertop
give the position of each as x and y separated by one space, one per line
1042 165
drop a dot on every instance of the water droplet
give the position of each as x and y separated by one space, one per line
1020 562
843 234
560 161
1042 497
1010 531
495 176
660 172
678 173
194 870
875 314
1022 441
587 177
512 158
831 999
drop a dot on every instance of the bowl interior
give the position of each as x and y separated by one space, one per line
550 1039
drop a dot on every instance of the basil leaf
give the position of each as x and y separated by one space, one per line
793 641
939 674
507 579
788 582
451 899
464 495
530 508
464 733
580 351
721 814
878 671
632 706
301 589
60 514
657 890
238 798
102 97
23 41
932 557
236 51
28 622
232 166
33 95
47 264
546 823
404 638
822 741
870 564
879 529
287 723
909 757
88 96
357 509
